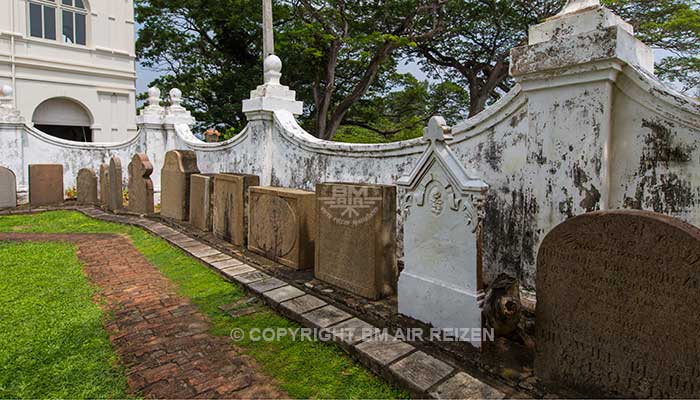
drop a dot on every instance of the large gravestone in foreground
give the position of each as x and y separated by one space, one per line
441 282
175 176
116 184
618 300
104 185
356 245
87 186
282 225
8 188
140 185
45 184
230 221
201 201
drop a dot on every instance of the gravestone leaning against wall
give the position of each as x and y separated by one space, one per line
87 186
115 201
201 201
45 184
618 294
104 186
230 220
140 185
441 282
8 188
178 167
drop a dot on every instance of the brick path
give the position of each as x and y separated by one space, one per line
161 337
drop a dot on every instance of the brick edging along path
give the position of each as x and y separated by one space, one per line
160 337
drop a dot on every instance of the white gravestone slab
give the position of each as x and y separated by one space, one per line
441 282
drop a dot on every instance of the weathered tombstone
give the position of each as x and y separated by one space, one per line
231 205
45 184
141 185
8 188
356 242
116 184
618 294
201 201
104 185
441 282
87 186
177 169
282 225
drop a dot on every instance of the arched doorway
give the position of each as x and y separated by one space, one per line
63 118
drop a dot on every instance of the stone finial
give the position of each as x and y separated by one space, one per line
176 113
437 130
154 96
8 112
573 6
273 69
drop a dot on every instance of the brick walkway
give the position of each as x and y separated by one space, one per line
161 338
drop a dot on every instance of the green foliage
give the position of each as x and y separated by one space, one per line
303 369
52 343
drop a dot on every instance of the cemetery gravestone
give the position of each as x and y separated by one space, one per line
178 167
230 221
104 185
356 244
8 188
141 185
282 225
116 184
441 282
618 294
45 184
87 186
201 201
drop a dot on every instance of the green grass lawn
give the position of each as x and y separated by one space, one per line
52 343
303 369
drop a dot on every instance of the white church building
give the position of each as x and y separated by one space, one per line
72 65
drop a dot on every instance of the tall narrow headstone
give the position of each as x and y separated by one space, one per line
231 203
356 243
201 201
283 225
104 186
441 283
116 184
87 186
8 188
618 294
45 184
177 169
141 185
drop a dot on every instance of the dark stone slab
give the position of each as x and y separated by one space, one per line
465 386
326 316
352 331
618 295
8 188
177 170
230 213
356 246
266 285
300 305
283 294
384 349
140 185
233 272
282 225
227 263
116 184
87 186
250 277
420 371
216 258
45 184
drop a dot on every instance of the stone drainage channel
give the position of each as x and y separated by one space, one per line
422 374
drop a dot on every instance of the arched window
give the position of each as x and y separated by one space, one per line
71 16
63 118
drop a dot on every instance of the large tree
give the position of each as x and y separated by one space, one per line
474 50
